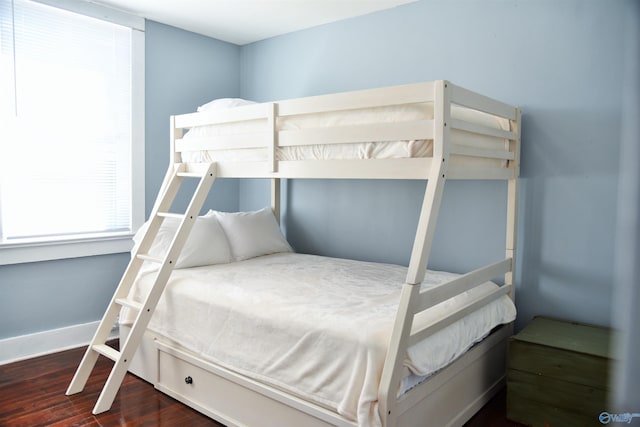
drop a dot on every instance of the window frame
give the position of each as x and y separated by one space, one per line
83 245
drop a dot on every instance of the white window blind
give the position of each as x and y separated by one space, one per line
66 123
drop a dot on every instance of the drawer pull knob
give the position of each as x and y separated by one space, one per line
188 380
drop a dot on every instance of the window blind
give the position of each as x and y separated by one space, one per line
65 162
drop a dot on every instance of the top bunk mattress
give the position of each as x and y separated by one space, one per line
339 121
317 327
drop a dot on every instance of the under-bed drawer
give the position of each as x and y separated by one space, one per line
232 399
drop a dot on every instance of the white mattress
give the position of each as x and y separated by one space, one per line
317 327
361 150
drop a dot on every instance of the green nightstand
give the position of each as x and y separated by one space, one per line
558 374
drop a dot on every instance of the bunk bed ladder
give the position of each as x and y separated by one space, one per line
176 175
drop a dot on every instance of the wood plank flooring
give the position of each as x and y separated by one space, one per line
32 394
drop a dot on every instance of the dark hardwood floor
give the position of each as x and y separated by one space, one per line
32 393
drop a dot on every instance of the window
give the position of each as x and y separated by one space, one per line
72 146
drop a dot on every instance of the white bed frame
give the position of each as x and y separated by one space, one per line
455 393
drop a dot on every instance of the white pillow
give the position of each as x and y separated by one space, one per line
206 245
252 234
224 103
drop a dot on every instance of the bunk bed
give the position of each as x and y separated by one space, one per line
380 358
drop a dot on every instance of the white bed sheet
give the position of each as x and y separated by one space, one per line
317 327
361 150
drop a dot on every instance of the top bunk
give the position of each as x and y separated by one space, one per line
400 132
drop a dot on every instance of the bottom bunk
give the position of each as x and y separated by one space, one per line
308 332
450 397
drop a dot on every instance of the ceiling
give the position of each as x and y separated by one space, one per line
245 21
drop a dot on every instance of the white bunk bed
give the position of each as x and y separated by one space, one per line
432 131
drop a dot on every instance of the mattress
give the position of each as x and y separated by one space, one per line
342 119
314 326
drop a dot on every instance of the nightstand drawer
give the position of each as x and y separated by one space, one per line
552 362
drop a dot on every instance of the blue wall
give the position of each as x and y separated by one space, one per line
183 70
561 62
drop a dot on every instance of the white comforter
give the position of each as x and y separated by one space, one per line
315 326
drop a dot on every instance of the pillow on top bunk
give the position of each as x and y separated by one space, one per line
252 234
224 103
206 245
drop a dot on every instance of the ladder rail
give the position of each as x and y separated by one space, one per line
127 351
166 198
144 316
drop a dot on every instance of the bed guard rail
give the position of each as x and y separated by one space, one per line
270 135
430 297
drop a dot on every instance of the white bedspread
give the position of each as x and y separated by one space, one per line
314 326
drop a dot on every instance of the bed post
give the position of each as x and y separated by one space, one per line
435 185
272 113
512 202
425 231
174 158
275 198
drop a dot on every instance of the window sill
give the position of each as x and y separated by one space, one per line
31 250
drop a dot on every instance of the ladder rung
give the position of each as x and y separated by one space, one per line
129 303
170 215
107 351
147 257
189 174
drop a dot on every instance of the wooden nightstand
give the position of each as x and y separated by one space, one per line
558 374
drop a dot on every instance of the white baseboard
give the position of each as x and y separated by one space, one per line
27 346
